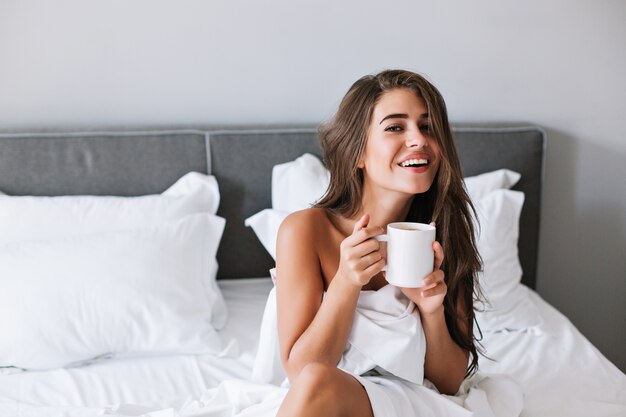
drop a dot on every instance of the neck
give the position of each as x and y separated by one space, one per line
383 208
383 212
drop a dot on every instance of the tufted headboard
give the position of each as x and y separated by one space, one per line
133 163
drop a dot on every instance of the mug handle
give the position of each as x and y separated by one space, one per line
383 238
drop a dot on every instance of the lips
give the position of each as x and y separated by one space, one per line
415 160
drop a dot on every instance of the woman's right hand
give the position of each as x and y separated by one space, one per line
360 258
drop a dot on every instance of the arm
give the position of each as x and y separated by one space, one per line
445 362
312 329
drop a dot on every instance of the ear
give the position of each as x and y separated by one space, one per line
361 164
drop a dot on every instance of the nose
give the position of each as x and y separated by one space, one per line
415 139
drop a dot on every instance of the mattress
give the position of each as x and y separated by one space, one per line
561 372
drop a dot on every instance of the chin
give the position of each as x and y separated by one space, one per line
420 189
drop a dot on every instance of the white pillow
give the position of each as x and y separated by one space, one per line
509 306
498 214
67 300
265 225
298 184
480 185
24 218
28 217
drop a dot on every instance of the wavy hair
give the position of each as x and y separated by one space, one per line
447 203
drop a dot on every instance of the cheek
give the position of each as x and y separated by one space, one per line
437 156
379 158
437 165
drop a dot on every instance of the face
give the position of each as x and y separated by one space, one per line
401 155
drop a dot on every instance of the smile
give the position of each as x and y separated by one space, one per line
414 163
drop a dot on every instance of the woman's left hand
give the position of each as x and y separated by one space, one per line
429 297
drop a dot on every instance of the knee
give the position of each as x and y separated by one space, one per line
316 373
317 381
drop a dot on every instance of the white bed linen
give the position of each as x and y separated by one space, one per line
161 381
561 372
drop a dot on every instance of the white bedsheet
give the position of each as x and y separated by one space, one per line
561 373
165 381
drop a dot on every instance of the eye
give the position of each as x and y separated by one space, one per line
393 128
425 128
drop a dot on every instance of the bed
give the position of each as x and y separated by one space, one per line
560 371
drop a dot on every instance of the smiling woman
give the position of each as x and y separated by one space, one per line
391 158
403 141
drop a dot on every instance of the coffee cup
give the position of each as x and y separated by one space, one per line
410 254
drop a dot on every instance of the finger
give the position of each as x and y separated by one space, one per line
357 253
433 224
436 285
429 285
433 278
438 254
368 260
366 247
364 234
361 223
375 268
439 289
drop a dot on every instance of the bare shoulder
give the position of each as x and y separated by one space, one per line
297 245
303 225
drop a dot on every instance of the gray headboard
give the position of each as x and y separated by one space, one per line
147 162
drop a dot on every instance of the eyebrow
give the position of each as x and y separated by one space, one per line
401 116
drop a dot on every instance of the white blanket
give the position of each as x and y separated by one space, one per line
488 397
561 372
385 352
386 336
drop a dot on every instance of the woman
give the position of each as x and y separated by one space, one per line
327 256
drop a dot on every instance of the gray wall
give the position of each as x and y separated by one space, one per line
560 64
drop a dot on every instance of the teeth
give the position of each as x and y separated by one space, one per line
414 162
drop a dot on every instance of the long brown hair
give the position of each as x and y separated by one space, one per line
343 142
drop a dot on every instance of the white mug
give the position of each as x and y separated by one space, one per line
410 254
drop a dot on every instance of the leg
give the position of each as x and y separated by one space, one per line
324 390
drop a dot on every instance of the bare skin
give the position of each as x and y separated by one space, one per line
319 252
